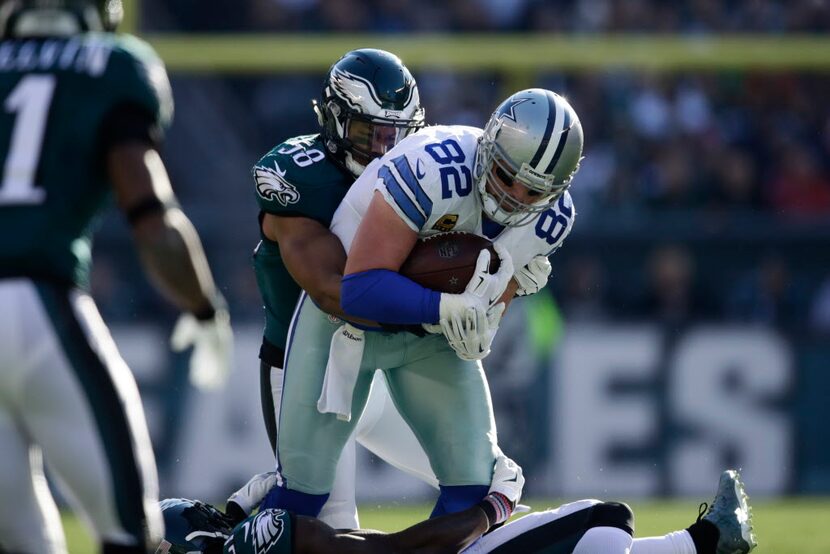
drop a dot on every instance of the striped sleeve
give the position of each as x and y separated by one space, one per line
403 192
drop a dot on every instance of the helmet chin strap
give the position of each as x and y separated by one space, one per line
491 206
355 168
500 216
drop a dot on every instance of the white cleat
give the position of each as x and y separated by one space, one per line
731 514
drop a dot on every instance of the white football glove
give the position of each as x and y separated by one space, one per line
253 492
533 277
212 342
472 334
490 286
432 328
469 320
507 479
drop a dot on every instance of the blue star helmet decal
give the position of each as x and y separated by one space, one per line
508 111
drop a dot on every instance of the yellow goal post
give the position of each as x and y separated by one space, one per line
517 57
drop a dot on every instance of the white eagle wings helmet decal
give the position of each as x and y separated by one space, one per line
265 531
271 185
361 95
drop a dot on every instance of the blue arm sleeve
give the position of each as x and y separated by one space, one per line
387 296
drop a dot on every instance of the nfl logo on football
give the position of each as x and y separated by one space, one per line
448 250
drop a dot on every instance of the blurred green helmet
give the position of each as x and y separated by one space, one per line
369 103
533 140
44 18
191 526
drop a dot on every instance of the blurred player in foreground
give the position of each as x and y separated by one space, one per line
582 527
83 114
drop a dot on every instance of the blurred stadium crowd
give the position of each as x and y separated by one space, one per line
403 16
729 172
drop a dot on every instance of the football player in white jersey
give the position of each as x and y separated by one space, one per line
507 182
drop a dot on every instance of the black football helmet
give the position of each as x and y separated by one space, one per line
370 101
58 17
192 526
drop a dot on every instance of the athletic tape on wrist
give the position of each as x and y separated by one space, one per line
497 507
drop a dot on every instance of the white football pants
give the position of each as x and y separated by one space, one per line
383 432
67 396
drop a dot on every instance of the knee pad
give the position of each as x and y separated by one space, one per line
457 498
613 514
301 503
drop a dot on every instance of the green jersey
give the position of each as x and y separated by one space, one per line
55 95
268 532
295 179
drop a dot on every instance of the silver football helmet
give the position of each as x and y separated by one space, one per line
533 140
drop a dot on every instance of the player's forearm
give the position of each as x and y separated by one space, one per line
316 264
312 254
325 292
509 293
445 534
173 258
384 295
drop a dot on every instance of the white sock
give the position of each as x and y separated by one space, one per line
604 540
340 510
679 542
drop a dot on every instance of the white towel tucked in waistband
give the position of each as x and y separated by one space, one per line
342 368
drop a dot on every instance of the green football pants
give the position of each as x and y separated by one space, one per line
445 400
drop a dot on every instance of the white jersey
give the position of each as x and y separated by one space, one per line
428 180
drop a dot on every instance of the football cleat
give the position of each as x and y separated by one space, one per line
731 514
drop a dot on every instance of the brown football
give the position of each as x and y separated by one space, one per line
445 262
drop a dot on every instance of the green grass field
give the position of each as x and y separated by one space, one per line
794 526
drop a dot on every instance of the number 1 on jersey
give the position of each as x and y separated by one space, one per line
29 102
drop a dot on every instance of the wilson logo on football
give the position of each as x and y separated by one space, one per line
271 185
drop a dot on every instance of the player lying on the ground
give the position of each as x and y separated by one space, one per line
582 527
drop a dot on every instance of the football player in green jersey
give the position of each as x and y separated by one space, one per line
82 114
369 102
580 527
193 526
